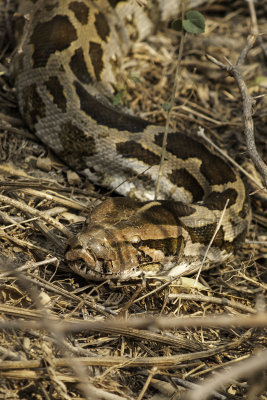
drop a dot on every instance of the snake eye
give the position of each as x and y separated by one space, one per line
136 239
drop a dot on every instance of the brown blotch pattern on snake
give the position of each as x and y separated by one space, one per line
81 11
217 200
131 149
107 115
76 145
48 37
102 27
182 178
214 168
79 67
96 56
57 92
33 105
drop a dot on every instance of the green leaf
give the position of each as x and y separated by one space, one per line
177 25
166 106
261 79
118 98
134 75
194 22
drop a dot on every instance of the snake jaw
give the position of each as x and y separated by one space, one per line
91 256
95 254
85 263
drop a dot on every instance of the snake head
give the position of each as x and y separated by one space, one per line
125 239
98 254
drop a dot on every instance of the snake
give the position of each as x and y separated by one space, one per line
67 57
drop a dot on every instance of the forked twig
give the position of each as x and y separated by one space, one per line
247 101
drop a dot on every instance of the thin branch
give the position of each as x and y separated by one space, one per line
172 101
212 300
119 361
36 213
248 103
254 25
211 241
220 321
242 369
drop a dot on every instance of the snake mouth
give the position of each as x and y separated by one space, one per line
86 264
82 269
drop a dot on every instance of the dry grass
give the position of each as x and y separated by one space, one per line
41 203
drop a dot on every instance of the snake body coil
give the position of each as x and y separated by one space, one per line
64 69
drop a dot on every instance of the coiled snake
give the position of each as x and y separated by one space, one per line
64 70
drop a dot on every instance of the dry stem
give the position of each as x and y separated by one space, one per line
248 103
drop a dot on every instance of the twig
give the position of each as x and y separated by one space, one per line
243 369
212 300
120 361
253 17
27 266
20 242
211 241
96 393
58 385
248 103
157 384
147 383
220 321
171 105
254 25
220 366
37 280
36 213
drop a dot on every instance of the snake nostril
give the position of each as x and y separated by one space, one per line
77 247
106 266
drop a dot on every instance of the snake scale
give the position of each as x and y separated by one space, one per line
64 69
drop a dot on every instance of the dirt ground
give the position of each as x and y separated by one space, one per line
59 337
